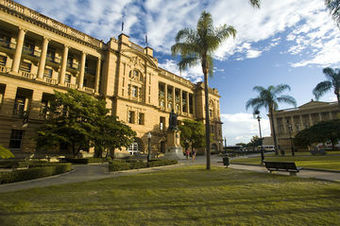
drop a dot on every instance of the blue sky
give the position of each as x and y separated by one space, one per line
286 41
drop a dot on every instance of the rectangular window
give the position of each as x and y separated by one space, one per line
131 117
19 106
29 47
162 123
4 40
141 119
51 54
210 113
45 103
70 61
3 60
26 67
67 78
134 91
16 139
48 73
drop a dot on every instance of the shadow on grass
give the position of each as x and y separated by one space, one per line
144 206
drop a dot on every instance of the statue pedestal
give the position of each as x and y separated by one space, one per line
174 149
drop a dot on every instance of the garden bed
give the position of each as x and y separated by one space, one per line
37 171
118 165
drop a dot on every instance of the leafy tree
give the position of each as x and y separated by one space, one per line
191 134
269 99
111 134
197 46
333 82
81 121
255 142
5 153
319 133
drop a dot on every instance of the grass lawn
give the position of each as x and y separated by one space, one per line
183 196
318 162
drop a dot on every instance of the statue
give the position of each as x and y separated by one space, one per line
173 121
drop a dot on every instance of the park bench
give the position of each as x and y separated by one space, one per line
282 166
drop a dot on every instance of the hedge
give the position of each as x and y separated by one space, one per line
84 160
32 173
20 163
118 165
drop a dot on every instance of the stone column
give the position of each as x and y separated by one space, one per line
302 126
82 71
99 62
180 101
188 102
173 98
310 120
63 66
18 51
166 96
43 58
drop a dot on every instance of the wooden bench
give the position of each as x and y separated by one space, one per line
282 166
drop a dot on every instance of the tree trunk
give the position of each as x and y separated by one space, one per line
271 110
207 120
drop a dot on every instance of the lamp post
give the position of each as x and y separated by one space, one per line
290 129
149 146
258 117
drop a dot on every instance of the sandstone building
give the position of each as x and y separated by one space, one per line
289 122
39 55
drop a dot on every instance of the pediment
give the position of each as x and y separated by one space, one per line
314 104
139 58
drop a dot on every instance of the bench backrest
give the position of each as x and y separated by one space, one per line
280 165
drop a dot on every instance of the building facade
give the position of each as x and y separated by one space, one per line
39 55
289 122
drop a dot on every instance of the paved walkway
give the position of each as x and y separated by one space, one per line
82 173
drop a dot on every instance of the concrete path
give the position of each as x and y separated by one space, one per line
82 173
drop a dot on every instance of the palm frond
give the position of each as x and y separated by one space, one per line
256 103
322 88
334 8
287 99
188 61
184 49
187 34
255 3
280 88
258 89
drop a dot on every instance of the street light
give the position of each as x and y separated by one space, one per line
290 129
149 146
258 117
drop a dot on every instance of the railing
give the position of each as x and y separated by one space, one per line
89 90
26 74
6 44
70 85
50 80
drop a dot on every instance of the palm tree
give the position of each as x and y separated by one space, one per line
334 8
333 76
269 99
197 46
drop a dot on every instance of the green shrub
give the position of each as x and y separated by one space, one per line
162 162
76 161
96 160
32 173
118 165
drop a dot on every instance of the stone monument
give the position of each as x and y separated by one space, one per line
173 149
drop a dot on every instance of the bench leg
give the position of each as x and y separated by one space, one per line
292 173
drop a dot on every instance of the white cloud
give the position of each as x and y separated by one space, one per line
193 73
253 53
241 127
